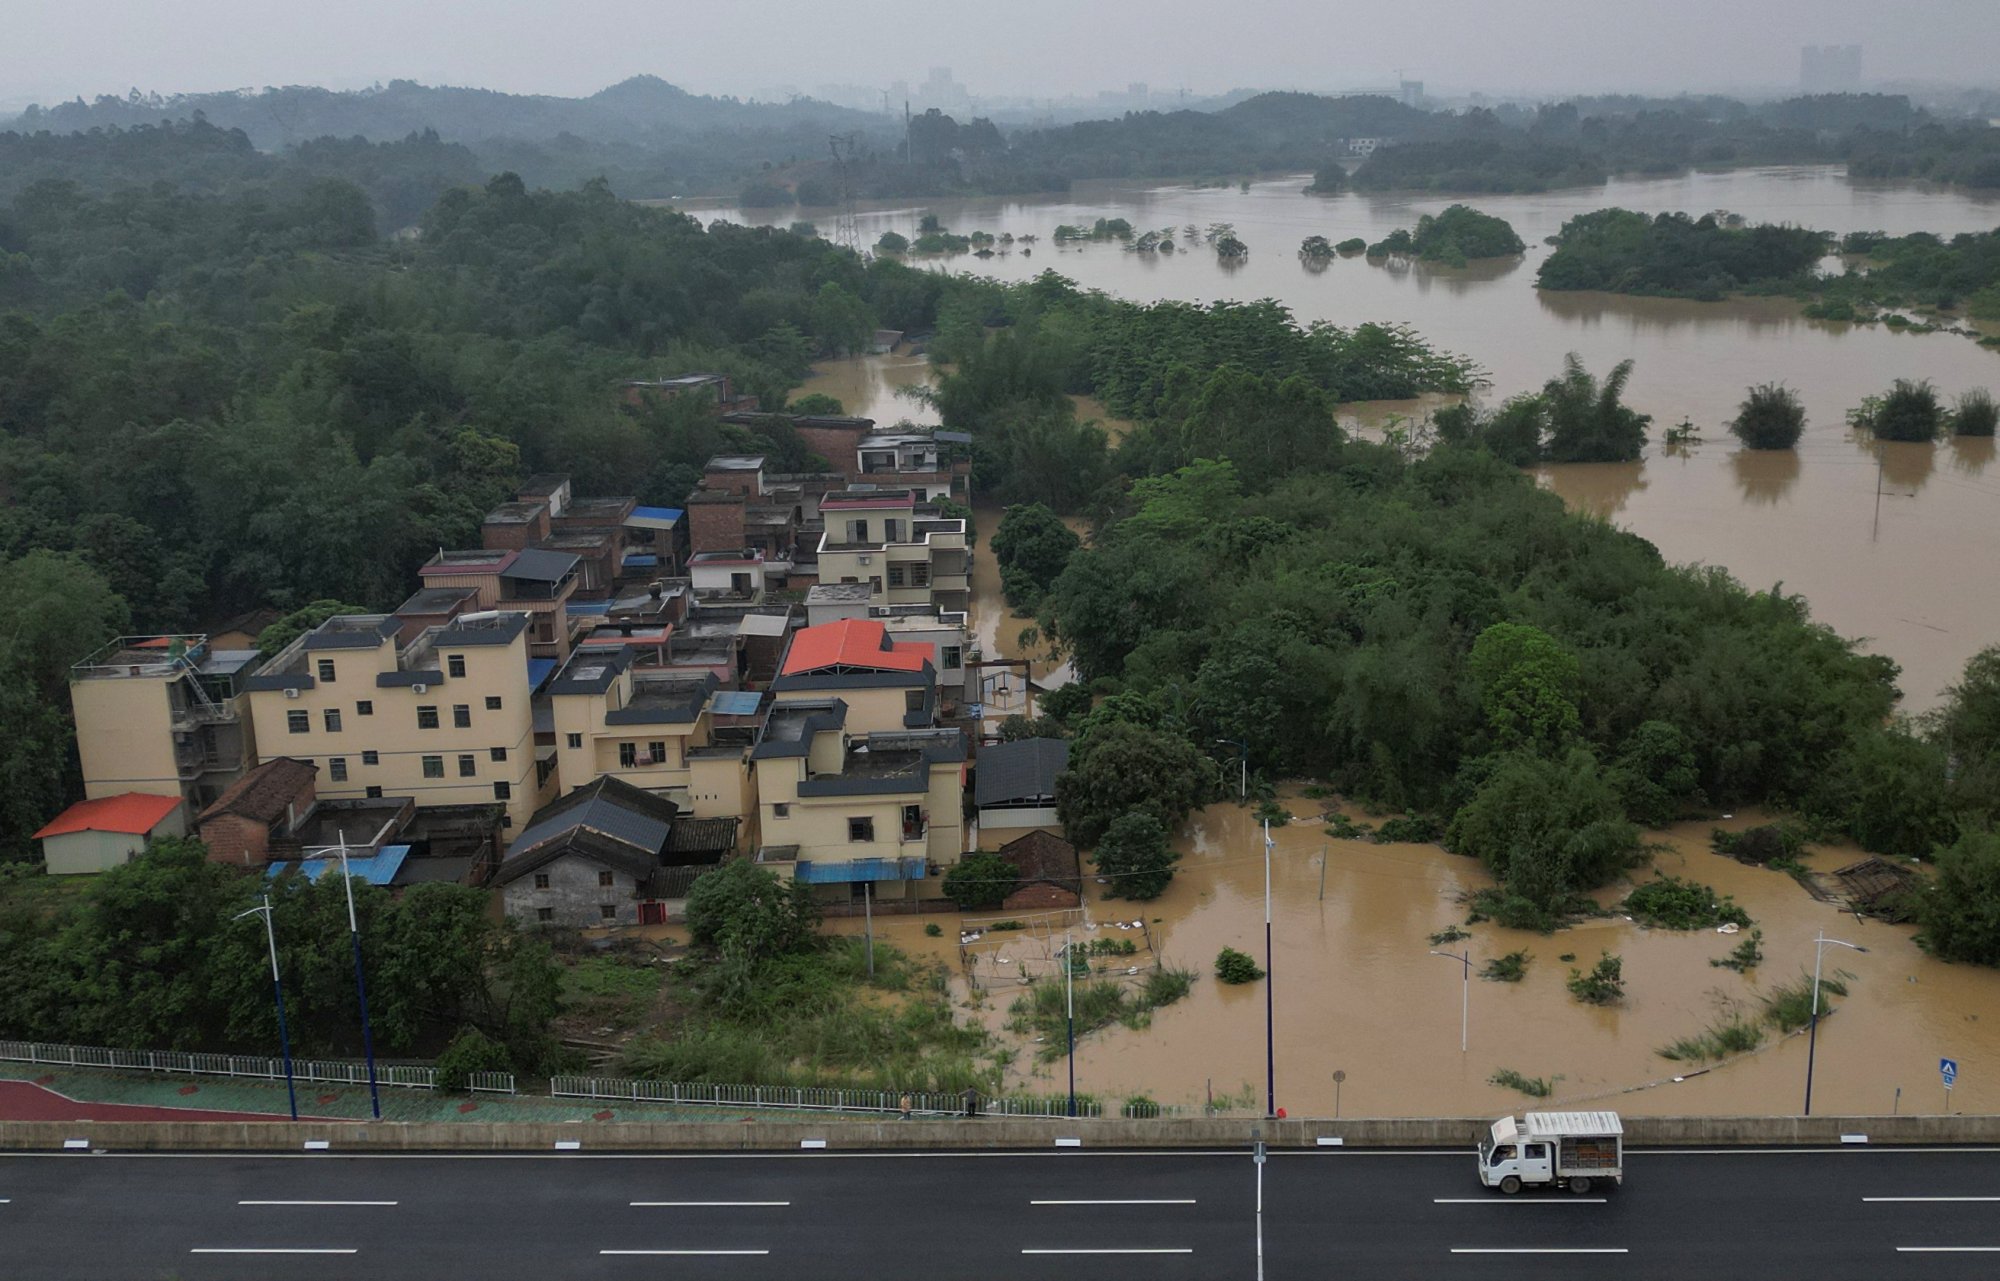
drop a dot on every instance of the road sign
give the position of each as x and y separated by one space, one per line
1948 1069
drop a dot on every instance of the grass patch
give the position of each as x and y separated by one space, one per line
1043 1009
1535 1087
1735 1035
611 989
1674 904
1745 956
1342 827
1604 985
1511 968
1789 1006
1449 934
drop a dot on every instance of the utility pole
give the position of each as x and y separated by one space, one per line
360 983
1270 1005
1322 873
278 992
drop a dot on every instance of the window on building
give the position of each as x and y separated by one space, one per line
609 911
468 765
628 755
913 700
371 758
433 767
332 717
427 717
892 531
860 829
953 658
454 666
781 809
896 577
298 723
374 793
503 791
658 751
461 716
336 769
492 702
541 880
366 707
545 914
606 879
920 573
575 741
497 753
506 820
857 531
326 670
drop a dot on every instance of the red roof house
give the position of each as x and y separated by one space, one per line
102 833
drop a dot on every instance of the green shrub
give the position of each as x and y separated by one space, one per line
1909 412
1351 246
933 930
1772 417
1232 966
1745 956
1604 985
1139 1108
1790 1006
1735 1035
1976 414
1766 843
470 1051
1449 934
1411 829
1535 1087
892 242
1511 968
1674 904
980 881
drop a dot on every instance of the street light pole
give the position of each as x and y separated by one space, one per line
277 991
1820 940
1069 1001
1270 1001
1465 995
360 984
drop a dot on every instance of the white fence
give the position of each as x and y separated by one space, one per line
806 1098
338 1071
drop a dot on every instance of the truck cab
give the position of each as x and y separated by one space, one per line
1575 1150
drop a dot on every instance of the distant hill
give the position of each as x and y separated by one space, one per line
643 110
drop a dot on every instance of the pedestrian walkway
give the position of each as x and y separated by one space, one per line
182 1098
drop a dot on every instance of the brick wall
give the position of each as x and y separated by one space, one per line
715 526
237 841
515 536
1039 897
835 444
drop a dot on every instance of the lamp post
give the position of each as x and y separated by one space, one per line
1243 766
1069 1002
1465 994
1820 940
277 991
361 983
1270 1001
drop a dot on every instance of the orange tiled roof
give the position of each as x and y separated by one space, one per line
136 813
852 642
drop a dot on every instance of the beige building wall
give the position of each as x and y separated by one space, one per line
869 711
587 747
124 735
408 758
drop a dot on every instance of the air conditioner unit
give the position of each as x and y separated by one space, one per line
291 691
868 560
420 688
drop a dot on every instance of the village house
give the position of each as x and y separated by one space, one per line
165 715
99 834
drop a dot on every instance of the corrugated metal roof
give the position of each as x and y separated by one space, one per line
654 517
377 869
1572 1123
1023 770
539 671
133 813
735 702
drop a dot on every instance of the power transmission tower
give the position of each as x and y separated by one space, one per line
843 146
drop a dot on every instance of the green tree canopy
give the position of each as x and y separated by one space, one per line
1034 541
744 912
1135 854
980 881
1119 769
1527 686
1771 417
1958 910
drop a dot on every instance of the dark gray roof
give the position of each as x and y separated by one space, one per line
353 631
608 821
675 702
538 566
1021 771
591 671
434 600
484 631
712 837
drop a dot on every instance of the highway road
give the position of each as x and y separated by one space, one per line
1828 1215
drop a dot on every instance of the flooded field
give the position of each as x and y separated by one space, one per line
1808 520
1357 992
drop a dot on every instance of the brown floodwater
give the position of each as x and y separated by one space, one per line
1357 992
1906 581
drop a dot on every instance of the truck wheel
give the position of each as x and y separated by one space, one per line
1510 1185
1579 1186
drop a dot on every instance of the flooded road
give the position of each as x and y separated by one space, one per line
1808 521
1357 992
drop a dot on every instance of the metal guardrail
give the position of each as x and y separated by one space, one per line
187 1063
806 1098
490 1082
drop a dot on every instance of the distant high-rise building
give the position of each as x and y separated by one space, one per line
1410 92
1833 68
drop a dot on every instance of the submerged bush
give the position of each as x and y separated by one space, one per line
1234 967
1976 414
1772 417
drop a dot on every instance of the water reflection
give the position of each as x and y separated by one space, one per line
1765 475
1970 454
1906 465
1763 318
1597 489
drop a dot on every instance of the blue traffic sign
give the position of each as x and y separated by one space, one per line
1948 1069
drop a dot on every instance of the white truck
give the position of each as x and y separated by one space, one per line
1576 1150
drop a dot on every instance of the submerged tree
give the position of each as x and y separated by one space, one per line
1588 420
1975 414
1911 411
1771 417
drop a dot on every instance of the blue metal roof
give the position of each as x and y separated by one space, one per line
602 607
735 702
539 671
378 869
664 515
858 869
640 560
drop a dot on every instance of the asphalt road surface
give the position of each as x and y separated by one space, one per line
1865 1214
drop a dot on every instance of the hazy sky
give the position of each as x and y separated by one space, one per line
53 49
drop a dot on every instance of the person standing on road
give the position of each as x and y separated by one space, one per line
906 1106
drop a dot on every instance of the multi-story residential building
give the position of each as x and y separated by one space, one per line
531 581
638 724
849 813
445 719
885 684
913 460
163 715
907 553
944 631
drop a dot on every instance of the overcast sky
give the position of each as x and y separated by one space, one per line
54 49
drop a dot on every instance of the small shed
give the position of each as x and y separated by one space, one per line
1051 876
1015 783
1877 887
98 835
266 804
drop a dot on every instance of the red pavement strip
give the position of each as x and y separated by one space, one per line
26 1101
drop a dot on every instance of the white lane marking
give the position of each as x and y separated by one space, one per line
713 1203
1948 1249
319 1203
266 1250
1163 1201
653 1252
1515 1200
1234 1154
1930 1198
1526 1249
1135 1250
